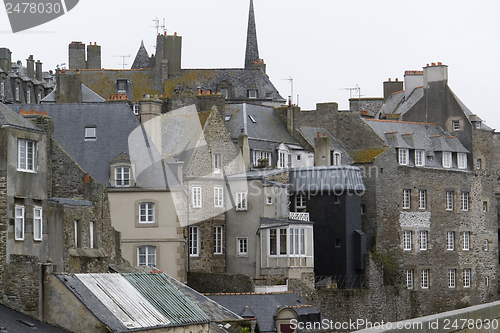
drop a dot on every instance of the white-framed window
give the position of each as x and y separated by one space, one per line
26 155
464 201
241 201
424 279
217 163
224 92
300 200
486 245
122 176
269 200
478 164
419 157
403 156
146 212
337 158
282 163
194 241
146 255
424 237
218 239
90 133
136 108
447 159
462 160
450 240
407 240
452 277
409 278
2 88
297 241
456 125
37 223
466 277
466 240
449 200
406 199
19 223
277 241
242 244
39 96
196 196
261 155
486 281
218 197
485 206
28 95
91 234
18 94
422 200
252 93
76 230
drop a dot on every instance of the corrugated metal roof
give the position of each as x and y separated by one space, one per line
167 298
123 300
331 178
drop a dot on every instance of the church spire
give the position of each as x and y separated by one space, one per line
252 51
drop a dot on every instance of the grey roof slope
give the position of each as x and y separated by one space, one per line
11 119
309 133
328 178
265 306
88 96
16 322
142 58
268 222
113 121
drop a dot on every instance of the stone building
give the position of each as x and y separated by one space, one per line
53 213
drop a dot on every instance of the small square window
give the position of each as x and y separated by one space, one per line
252 93
90 133
224 92
456 125
269 200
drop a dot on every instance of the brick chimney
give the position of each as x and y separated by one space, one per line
322 150
413 79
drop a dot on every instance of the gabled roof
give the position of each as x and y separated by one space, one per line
142 58
309 133
88 96
16 322
330 179
9 118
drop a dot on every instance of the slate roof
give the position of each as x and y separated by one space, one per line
268 222
142 58
265 306
9 118
88 96
114 123
309 133
12 321
330 178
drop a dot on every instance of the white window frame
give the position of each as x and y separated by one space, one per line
241 201
407 240
466 275
409 278
424 279
337 158
419 157
2 89
242 246
455 125
217 161
282 162
300 200
486 281
218 197
91 234
19 223
149 251
253 93
26 155
465 240
450 240
485 206
403 154
90 133
406 199
224 92
464 201
449 200
37 223
462 160
486 245
218 239
269 200
261 155
28 95
423 240
76 228
452 278
297 243
422 199
281 242
196 199
122 176
447 159
194 241
146 212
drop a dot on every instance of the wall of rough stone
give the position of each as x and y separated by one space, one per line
220 282
3 227
207 261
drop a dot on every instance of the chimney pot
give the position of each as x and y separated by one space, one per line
324 135
175 33
389 79
440 63
397 79
317 134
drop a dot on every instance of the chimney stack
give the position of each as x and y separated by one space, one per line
435 73
77 56
30 67
390 87
38 71
245 149
93 56
413 79
322 150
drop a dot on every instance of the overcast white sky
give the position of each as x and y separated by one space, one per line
324 45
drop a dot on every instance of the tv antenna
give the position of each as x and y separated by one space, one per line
123 59
356 90
158 25
290 79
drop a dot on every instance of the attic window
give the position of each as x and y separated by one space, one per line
252 93
456 125
228 118
121 86
224 92
90 133
252 119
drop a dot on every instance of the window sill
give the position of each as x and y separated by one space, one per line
27 171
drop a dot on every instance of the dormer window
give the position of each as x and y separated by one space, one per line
28 96
2 88
17 92
403 156
252 93
447 159
90 133
224 92
337 158
217 163
462 160
419 157
122 176
26 155
121 86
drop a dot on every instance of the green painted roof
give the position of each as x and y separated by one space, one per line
366 155
167 298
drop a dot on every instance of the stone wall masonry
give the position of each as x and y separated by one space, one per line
220 282
3 227
207 261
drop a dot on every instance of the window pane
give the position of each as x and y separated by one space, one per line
282 241
273 242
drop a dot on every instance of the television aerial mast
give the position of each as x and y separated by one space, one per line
123 59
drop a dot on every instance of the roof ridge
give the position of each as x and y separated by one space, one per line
400 121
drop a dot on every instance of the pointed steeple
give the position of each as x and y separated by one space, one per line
142 58
252 51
